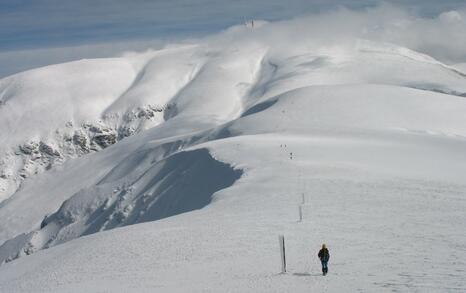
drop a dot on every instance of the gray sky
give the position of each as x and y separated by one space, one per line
39 32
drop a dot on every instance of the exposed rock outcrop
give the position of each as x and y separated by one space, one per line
38 155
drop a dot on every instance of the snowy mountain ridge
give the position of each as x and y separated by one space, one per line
231 134
74 127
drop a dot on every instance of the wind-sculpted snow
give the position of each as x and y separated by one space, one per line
152 87
180 183
461 68
372 134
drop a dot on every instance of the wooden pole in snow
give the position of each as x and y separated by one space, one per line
281 240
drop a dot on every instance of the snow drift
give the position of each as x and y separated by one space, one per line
181 183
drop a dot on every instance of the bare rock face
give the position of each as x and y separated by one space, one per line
104 138
81 142
150 111
35 157
125 131
48 150
71 141
29 148
36 150
147 112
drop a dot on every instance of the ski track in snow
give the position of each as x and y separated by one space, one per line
365 134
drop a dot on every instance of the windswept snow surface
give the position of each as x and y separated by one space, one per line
368 138
461 67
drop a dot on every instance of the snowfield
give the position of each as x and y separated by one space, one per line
176 170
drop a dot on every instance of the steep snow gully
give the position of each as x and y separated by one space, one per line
227 132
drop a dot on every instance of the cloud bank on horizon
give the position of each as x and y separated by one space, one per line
37 33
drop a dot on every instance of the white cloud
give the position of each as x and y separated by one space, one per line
16 61
451 16
442 37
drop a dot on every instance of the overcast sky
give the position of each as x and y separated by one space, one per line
39 32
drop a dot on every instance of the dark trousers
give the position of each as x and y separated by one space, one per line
324 266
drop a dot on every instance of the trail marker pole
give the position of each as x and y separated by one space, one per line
281 240
300 213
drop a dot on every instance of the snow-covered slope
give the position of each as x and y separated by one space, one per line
461 67
202 154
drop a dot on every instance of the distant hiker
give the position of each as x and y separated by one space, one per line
324 256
